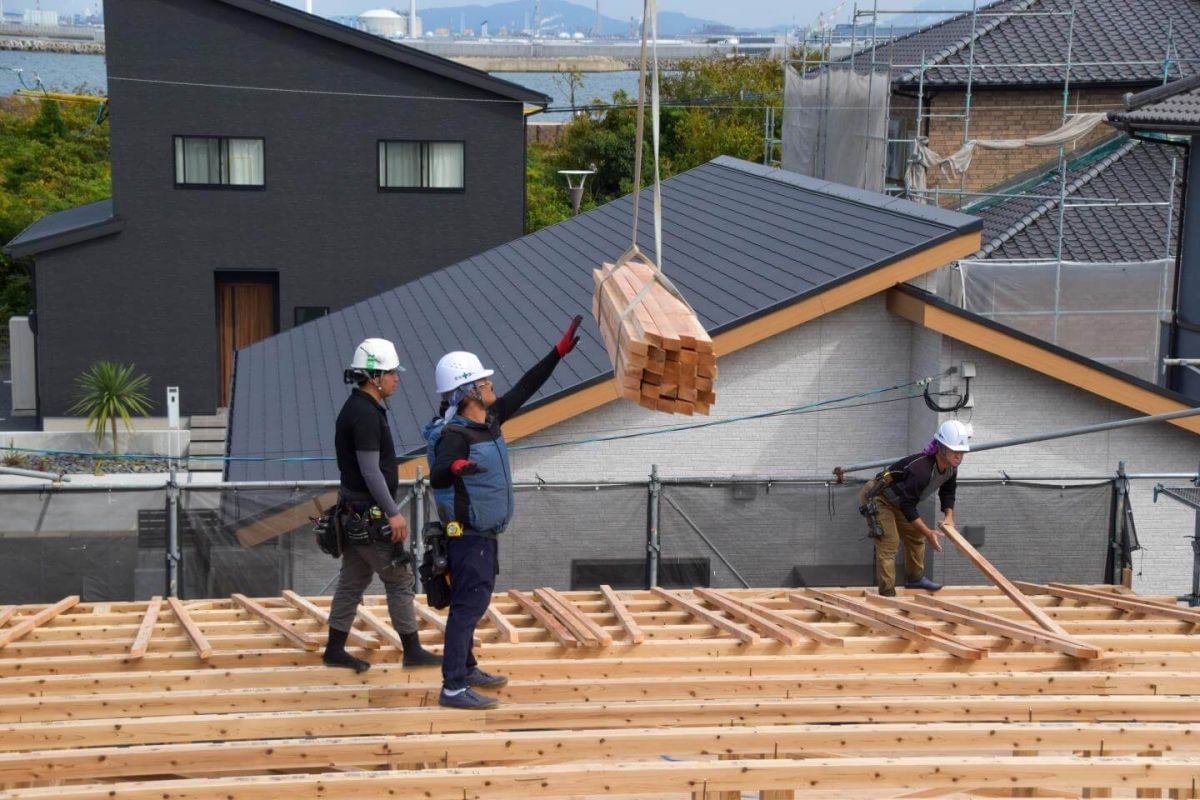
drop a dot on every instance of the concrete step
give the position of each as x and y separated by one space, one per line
205 466
218 420
208 434
207 448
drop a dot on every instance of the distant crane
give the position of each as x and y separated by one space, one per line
537 18
598 28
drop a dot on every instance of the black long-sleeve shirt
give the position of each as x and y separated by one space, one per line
917 477
455 443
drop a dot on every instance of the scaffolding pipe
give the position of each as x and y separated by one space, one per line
33 473
653 546
1042 437
1062 177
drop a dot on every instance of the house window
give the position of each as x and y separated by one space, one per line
430 166
218 161
309 313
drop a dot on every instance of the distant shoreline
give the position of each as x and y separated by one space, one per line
32 45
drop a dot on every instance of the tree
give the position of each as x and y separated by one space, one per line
108 392
570 80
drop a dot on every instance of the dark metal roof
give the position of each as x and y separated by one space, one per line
65 227
740 240
1114 42
1129 171
1171 108
409 56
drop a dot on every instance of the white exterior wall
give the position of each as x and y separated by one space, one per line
864 347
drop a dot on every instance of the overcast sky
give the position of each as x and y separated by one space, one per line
741 12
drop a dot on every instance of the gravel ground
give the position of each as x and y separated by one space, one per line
82 465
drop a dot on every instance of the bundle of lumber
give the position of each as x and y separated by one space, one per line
661 354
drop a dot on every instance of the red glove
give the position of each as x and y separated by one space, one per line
567 343
465 467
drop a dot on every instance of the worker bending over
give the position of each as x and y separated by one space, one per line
473 490
889 502
373 529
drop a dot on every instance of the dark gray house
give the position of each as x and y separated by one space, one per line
268 167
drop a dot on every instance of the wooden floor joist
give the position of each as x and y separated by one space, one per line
322 616
141 642
707 692
301 639
26 626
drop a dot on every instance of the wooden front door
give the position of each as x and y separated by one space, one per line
245 314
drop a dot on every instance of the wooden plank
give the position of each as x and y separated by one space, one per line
963 615
743 633
190 629
814 632
621 611
306 641
568 610
547 620
891 625
40 618
1004 584
321 615
6 613
567 620
381 628
1137 605
751 617
641 777
141 642
506 630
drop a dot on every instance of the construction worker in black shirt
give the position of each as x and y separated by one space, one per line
374 531
473 490
889 502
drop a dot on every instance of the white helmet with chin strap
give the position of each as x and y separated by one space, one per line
371 357
458 369
954 435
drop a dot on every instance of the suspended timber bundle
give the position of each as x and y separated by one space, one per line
662 356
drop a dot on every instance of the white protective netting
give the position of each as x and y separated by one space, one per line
835 124
1108 312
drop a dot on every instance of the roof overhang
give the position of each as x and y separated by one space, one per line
931 312
19 248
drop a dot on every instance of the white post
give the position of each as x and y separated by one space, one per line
412 19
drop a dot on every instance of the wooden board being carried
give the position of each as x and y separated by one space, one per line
662 357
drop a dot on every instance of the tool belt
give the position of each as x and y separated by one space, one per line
870 508
435 566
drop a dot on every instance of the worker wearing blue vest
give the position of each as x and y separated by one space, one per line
473 490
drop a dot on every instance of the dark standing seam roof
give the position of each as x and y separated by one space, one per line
1173 108
740 240
1105 31
393 50
65 227
1135 172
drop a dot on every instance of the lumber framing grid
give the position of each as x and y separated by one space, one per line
783 692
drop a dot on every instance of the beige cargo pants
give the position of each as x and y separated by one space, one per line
895 527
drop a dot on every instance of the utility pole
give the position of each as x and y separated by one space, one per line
597 29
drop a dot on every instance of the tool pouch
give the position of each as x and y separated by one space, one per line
435 567
356 528
327 527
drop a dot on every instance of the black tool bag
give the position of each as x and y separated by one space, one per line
327 528
435 567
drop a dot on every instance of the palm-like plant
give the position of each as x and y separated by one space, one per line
109 391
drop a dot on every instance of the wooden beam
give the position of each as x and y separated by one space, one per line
1002 583
141 642
6 613
506 630
655 776
1136 605
380 627
621 611
989 623
814 632
743 633
306 641
322 616
586 628
40 618
547 620
751 617
190 629
889 624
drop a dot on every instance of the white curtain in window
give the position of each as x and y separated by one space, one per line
246 162
445 165
400 164
197 159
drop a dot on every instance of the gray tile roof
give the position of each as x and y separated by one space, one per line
411 56
740 240
1009 45
1026 226
1171 108
65 227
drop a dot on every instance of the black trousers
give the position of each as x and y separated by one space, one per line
472 580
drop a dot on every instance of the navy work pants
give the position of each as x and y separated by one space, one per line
472 579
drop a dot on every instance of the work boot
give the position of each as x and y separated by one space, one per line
415 655
888 592
485 680
467 700
923 583
336 656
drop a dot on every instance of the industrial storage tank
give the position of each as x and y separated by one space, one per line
382 22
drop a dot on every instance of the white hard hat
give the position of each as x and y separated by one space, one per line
459 368
954 435
376 355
